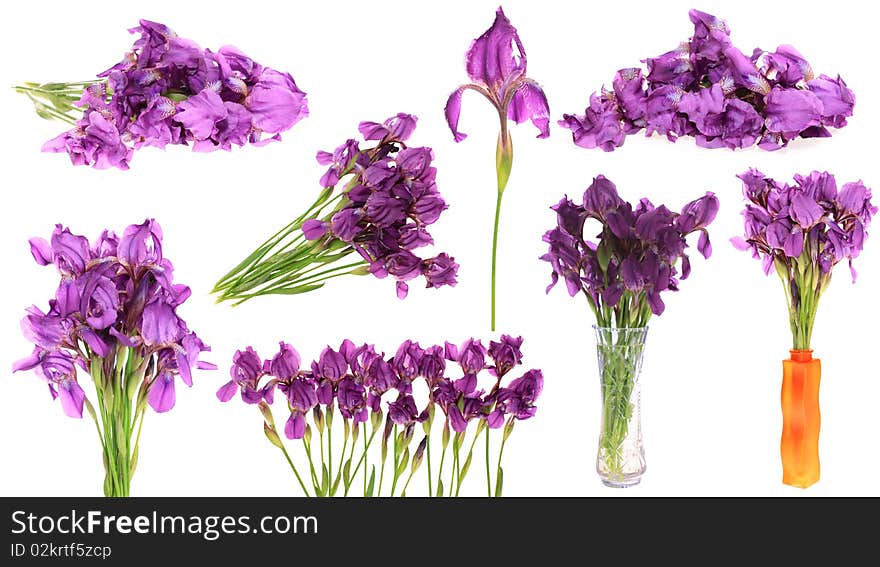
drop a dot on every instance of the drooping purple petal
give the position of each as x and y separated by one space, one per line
453 111
530 103
41 251
227 391
295 427
162 397
72 397
28 362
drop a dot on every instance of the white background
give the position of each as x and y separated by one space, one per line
712 374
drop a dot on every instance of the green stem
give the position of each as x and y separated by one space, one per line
467 459
500 455
396 464
440 470
296 472
288 286
428 450
323 463
363 459
329 448
495 253
315 482
488 475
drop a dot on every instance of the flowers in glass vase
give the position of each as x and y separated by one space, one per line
708 89
801 230
373 212
168 90
384 405
496 66
114 317
640 252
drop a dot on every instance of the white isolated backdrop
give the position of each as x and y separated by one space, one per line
711 380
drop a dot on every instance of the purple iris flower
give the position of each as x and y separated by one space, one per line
518 398
351 398
638 250
599 127
398 127
301 397
331 365
723 97
403 411
801 231
141 244
285 364
440 270
95 141
113 316
506 354
496 63
168 90
471 356
246 371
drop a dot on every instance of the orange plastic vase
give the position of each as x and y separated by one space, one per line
800 419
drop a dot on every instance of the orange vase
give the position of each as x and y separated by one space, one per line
800 419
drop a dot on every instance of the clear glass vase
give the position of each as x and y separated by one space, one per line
621 457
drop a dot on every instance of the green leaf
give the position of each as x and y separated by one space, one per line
500 482
440 488
132 465
335 485
291 290
372 484
466 465
346 474
404 461
325 480
603 256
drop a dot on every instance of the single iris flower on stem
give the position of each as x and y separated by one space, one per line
496 65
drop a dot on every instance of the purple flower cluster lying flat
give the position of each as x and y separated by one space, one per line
168 90
636 256
374 211
393 199
709 89
803 230
364 385
116 294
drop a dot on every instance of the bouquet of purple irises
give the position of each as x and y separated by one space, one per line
373 212
114 317
623 275
802 230
390 397
708 89
168 90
